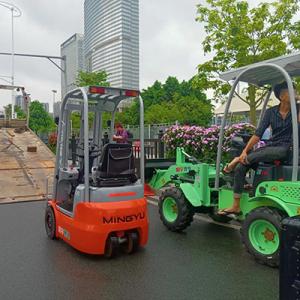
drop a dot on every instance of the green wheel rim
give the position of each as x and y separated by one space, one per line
264 237
170 209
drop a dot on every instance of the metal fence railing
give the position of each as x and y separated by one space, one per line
154 148
150 131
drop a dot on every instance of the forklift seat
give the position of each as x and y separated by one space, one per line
117 164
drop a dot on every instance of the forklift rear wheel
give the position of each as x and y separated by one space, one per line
111 247
261 234
175 211
50 223
132 243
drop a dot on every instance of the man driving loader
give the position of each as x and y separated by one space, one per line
280 120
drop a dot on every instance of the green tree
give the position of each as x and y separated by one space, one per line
165 112
76 118
130 115
193 111
98 78
238 35
21 115
92 78
169 102
187 88
185 110
171 87
7 110
153 94
39 120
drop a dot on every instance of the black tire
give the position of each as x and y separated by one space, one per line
111 247
132 243
271 215
50 223
185 211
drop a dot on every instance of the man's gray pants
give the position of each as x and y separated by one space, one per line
265 154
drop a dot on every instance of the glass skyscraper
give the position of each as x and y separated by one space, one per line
111 40
72 50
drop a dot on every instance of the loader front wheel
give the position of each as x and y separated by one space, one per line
175 211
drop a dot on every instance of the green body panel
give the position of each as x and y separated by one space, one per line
192 194
203 183
180 157
163 177
196 189
288 191
198 193
291 209
248 204
226 199
285 193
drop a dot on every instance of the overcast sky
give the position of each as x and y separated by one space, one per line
170 41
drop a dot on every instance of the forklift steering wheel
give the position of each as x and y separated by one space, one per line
94 150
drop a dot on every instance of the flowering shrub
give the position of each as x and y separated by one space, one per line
202 142
52 141
209 144
188 137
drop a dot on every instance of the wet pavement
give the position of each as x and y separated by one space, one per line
206 262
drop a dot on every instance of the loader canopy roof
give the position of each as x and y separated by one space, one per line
269 72
261 74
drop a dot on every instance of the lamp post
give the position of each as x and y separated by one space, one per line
15 12
54 92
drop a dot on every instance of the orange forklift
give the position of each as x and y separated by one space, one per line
98 204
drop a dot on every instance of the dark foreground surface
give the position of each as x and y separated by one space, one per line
206 262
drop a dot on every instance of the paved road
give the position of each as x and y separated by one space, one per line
206 262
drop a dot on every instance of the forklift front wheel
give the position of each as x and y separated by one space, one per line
175 211
50 223
111 247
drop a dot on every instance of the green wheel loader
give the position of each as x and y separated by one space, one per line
190 187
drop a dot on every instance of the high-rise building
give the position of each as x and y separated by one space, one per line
72 50
19 101
45 106
111 40
56 109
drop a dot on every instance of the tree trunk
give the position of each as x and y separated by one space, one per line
252 104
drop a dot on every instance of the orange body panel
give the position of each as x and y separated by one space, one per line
92 223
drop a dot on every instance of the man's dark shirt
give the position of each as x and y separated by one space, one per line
282 130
